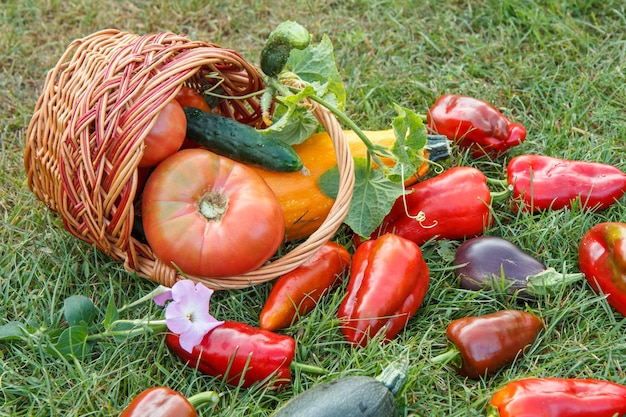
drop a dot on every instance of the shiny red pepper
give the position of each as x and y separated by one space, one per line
474 124
453 205
297 292
542 182
165 402
388 282
602 259
559 397
489 342
240 354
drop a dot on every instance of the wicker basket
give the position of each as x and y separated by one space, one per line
85 140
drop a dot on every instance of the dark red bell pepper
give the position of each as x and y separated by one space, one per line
240 354
297 292
559 397
388 282
483 344
455 204
542 182
165 402
474 124
602 259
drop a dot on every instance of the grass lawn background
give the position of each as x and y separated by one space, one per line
555 66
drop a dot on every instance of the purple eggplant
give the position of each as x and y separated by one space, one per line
494 262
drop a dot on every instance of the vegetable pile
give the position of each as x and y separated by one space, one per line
221 198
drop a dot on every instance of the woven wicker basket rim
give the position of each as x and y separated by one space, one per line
85 140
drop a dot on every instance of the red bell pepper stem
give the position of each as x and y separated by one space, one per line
202 398
307 369
452 355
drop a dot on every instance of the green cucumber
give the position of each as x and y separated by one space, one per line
350 396
240 142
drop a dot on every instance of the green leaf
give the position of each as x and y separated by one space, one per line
316 64
408 149
79 309
374 195
73 342
314 70
291 116
295 127
14 330
111 315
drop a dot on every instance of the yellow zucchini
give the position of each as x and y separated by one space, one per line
304 205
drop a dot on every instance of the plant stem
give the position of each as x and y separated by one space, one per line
139 327
308 369
393 376
371 147
497 181
550 280
204 398
158 290
344 118
450 355
500 196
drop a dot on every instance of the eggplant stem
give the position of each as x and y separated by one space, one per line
550 280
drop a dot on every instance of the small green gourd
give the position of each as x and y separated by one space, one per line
350 396
240 142
288 35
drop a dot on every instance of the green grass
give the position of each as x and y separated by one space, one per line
556 66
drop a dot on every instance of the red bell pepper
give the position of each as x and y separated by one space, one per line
455 204
388 282
559 397
165 402
602 259
486 343
474 124
542 182
240 354
297 292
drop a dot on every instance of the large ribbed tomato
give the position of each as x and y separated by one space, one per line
210 216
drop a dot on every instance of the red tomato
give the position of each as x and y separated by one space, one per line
166 136
210 216
188 97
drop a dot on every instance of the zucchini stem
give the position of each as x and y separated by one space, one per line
393 376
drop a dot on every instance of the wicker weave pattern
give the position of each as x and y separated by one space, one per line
85 139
